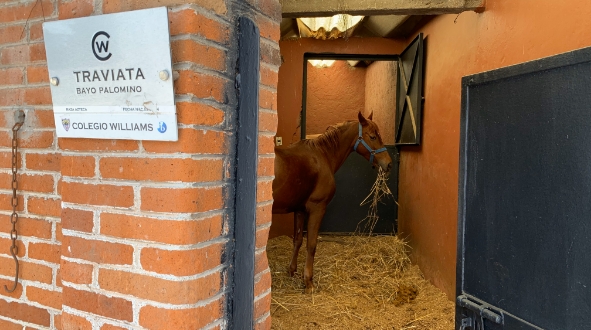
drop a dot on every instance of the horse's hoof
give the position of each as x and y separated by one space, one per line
310 289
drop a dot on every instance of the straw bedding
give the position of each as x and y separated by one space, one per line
363 282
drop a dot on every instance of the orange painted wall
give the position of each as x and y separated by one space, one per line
506 33
289 90
334 94
380 97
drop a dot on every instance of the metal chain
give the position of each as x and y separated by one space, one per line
14 216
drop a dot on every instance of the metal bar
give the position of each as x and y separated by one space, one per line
481 310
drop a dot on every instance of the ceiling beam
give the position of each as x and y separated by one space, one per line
322 8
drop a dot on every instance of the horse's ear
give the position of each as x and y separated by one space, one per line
370 117
362 119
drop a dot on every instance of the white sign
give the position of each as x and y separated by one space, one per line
111 76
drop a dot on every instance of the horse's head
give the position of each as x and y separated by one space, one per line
369 144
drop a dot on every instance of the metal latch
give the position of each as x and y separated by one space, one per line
480 312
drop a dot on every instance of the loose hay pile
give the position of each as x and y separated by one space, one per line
362 283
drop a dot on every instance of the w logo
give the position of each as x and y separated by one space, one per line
100 46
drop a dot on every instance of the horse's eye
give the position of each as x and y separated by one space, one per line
373 137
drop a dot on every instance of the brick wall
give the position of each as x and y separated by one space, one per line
121 234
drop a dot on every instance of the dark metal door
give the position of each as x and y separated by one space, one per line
524 229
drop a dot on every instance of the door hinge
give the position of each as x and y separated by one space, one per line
479 312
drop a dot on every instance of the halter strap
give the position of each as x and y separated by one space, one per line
371 151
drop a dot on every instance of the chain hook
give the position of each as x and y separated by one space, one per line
19 119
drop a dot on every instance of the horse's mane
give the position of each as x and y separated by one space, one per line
330 139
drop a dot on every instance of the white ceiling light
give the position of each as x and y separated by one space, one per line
340 25
321 63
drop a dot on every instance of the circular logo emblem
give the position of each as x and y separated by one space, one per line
162 127
100 46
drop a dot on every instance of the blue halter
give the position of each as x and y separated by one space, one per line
371 151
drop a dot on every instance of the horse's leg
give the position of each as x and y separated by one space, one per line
298 237
314 221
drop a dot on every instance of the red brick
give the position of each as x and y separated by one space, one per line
113 6
38 96
260 262
6 160
181 263
44 206
271 8
11 76
262 235
266 144
188 21
78 220
76 273
181 200
73 9
164 231
27 270
198 114
266 166
270 54
187 50
98 145
267 122
262 306
201 85
43 162
48 298
29 10
267 99
16 294
24 312
263 324
37 74
112 327
264 191
6 202
35 31
262 284
27 227
97 194
73 322
78 166
160 290
268 28
6 325
6 243
41 140
58 232
264 215
156 318
28 182
44 251
97 251
22 54
191 141
9 97
162 169
36 140
269 77
112 307
42 118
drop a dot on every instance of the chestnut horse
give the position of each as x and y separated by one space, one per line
304 178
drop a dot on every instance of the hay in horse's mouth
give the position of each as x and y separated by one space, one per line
379 192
